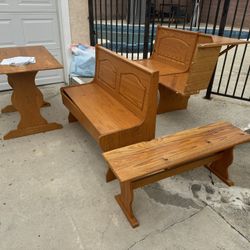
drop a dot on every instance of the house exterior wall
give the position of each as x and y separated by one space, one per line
240 12
79 24
231 11
106 8
214 4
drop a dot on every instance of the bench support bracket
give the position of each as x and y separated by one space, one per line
71 118
220 167
125 200
110 175
217 163
171 101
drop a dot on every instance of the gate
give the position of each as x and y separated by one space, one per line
128 27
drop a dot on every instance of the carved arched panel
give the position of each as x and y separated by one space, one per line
173 48
132 89
107 73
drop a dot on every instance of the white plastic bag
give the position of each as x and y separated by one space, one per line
83 61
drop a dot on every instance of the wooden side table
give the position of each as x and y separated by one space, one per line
27 99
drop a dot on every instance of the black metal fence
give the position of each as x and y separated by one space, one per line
128 27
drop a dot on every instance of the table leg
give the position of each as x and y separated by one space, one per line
27 99
11 108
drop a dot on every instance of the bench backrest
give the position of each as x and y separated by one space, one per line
182 47
196 54
132 85
175 47
203 65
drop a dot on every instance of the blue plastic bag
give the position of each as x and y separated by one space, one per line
83 61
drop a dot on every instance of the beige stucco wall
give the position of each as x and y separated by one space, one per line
79 21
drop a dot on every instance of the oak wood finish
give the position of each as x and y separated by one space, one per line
44 60
147 162
11 108
118 107
26 98
170 100
220 167
186 61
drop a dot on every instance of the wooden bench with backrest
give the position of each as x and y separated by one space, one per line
119 106
147 162
186 61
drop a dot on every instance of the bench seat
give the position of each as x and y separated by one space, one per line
104 112
146 162
164 68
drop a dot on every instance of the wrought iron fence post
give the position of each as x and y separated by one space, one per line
223 20
91 23
221 32
147 28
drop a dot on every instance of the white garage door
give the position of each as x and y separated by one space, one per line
31 22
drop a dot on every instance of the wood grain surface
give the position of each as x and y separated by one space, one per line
148 162
26 98
186 61
138 160
118 107
44 60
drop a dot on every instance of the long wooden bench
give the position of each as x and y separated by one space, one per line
186 61
118 107
147 162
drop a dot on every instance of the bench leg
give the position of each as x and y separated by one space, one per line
110 175
125 200
171 101
220 167
71 118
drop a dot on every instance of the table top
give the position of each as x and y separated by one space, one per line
223 41
44 60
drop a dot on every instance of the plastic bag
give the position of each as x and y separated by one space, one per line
83 61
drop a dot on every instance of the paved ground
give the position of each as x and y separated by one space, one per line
54 196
